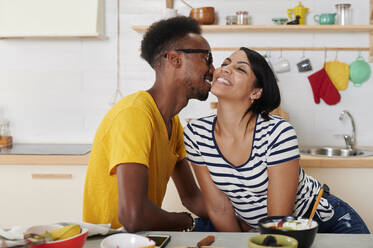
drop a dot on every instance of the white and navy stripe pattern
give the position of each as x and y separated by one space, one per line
274 142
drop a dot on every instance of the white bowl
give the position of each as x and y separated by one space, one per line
127 240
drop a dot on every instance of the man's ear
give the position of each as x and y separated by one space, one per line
174 58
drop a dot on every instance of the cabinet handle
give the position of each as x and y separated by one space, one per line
51 176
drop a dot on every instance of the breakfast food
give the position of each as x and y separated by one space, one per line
206 241
298 224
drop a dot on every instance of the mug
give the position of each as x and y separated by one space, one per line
169 13
304 65
325 19
281 65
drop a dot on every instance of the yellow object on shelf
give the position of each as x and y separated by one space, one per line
300 11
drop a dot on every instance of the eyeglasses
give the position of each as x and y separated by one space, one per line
208 52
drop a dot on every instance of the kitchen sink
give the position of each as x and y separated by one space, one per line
335 152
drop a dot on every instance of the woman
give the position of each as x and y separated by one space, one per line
247 161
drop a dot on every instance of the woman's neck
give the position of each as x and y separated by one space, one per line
232 120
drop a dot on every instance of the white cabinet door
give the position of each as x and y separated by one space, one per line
33 195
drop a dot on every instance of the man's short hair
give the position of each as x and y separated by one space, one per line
164 35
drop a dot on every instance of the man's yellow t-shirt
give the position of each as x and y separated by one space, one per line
133 131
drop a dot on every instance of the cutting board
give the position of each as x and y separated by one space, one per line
278 111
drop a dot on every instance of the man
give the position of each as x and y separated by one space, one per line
139 143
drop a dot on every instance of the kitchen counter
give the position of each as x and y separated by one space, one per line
50 154
241 240
64 158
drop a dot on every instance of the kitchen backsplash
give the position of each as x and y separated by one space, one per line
58 90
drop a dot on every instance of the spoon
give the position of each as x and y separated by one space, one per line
315 206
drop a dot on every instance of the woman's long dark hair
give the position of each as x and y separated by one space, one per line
266 80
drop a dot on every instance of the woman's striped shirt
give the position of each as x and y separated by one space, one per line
274 142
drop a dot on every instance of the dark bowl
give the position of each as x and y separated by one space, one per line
305 237
204 15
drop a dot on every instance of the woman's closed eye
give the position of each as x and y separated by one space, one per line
241 69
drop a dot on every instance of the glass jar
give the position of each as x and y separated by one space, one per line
231 20
6 140
242 17
343 14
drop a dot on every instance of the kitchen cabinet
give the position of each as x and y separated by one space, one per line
40 194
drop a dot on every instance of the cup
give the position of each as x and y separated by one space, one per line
169 13
304 65
325 19
281 65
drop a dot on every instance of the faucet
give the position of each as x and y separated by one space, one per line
349 139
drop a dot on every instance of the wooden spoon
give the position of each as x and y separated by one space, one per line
315 206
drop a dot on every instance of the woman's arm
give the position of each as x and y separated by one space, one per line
219 207
282 188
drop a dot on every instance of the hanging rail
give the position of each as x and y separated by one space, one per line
294 48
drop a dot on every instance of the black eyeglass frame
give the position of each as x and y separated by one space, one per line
209 59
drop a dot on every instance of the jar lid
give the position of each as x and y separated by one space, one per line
343 5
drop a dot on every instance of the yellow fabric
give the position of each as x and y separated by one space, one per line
133 131
338 73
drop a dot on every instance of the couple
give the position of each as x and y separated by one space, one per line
246 161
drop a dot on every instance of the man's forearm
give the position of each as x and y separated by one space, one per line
196 205
151 217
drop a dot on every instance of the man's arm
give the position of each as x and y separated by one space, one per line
135 211
190 195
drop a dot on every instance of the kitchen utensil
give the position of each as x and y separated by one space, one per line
338 73
304 65
204 15
169 4
279 20
359 71
76 241
300 11
305 237
343 14
319 195
242 17
282 64
281 240
325 19
169 13
231 20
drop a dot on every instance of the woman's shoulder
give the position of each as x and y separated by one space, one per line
206 122
274 124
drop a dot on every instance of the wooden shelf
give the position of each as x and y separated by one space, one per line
54 37
276 28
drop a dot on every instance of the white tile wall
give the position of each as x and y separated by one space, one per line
58 91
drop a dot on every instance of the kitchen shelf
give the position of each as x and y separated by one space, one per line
53 37
290 29
276 28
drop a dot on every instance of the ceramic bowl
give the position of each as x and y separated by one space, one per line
127 240
279 20
304 237
282 240
204 15
76 241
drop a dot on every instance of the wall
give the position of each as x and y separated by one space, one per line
57 91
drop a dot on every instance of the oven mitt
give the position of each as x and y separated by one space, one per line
338 72
322 87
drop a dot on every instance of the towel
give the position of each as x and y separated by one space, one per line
338 73
14 236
